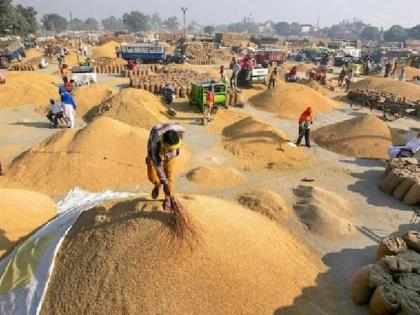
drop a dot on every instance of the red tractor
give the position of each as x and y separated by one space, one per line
270 57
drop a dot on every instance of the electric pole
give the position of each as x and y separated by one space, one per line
184 12
74 37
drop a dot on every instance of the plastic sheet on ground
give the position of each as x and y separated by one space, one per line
25 272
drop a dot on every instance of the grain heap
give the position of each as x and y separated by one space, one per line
401 89
256 145
411 72
392 284
27 89
266 202
124 250
402 180
137 108
21 213
216 177
289 100
107 154
89 97
323 212
364 137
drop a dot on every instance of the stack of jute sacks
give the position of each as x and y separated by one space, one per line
200 53
29 65
402 180
392 284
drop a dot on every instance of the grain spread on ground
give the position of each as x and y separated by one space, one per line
135 107
216 177
403 89
411 72
107 154
266 202
21 213
323 212
289 100
364 137
24 88
256 145
241 262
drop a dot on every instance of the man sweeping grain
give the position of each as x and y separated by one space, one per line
305 122
163 147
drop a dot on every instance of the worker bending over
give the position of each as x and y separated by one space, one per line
55 113
163 147
305 122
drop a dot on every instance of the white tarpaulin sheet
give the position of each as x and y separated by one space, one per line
25 273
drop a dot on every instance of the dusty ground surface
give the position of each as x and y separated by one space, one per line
354 179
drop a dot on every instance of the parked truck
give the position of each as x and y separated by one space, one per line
10 49
148 53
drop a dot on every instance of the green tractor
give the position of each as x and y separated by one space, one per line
198 94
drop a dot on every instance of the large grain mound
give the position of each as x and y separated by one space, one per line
32 53
289 100
256 145
405 89
137 108
128 262
363 137
323 212
216 177
411 72
266 202
90 97
105 154
23 88
105 51
22 212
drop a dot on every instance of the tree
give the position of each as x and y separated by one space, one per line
29 14
77 24
414 33
371 33
171 23
135 21
155 21
91 24
112 24
54 22
209 29
282 28
6 12
396 33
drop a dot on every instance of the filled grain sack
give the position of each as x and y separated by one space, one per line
366 280
390 246
385 300
403 188
412 239
391 181
413 195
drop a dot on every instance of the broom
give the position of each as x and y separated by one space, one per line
181 223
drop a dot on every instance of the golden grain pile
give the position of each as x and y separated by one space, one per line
289 100
216 177
364 137
22 212
107 154
256 145
241 262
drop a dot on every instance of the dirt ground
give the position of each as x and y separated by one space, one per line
356 180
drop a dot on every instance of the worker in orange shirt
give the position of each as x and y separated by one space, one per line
64 73
305 122
208 108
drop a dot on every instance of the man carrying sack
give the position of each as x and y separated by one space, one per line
163 147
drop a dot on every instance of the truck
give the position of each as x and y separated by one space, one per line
10 49
143 52
269 57
251 72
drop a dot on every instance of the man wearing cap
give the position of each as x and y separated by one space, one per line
163 147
